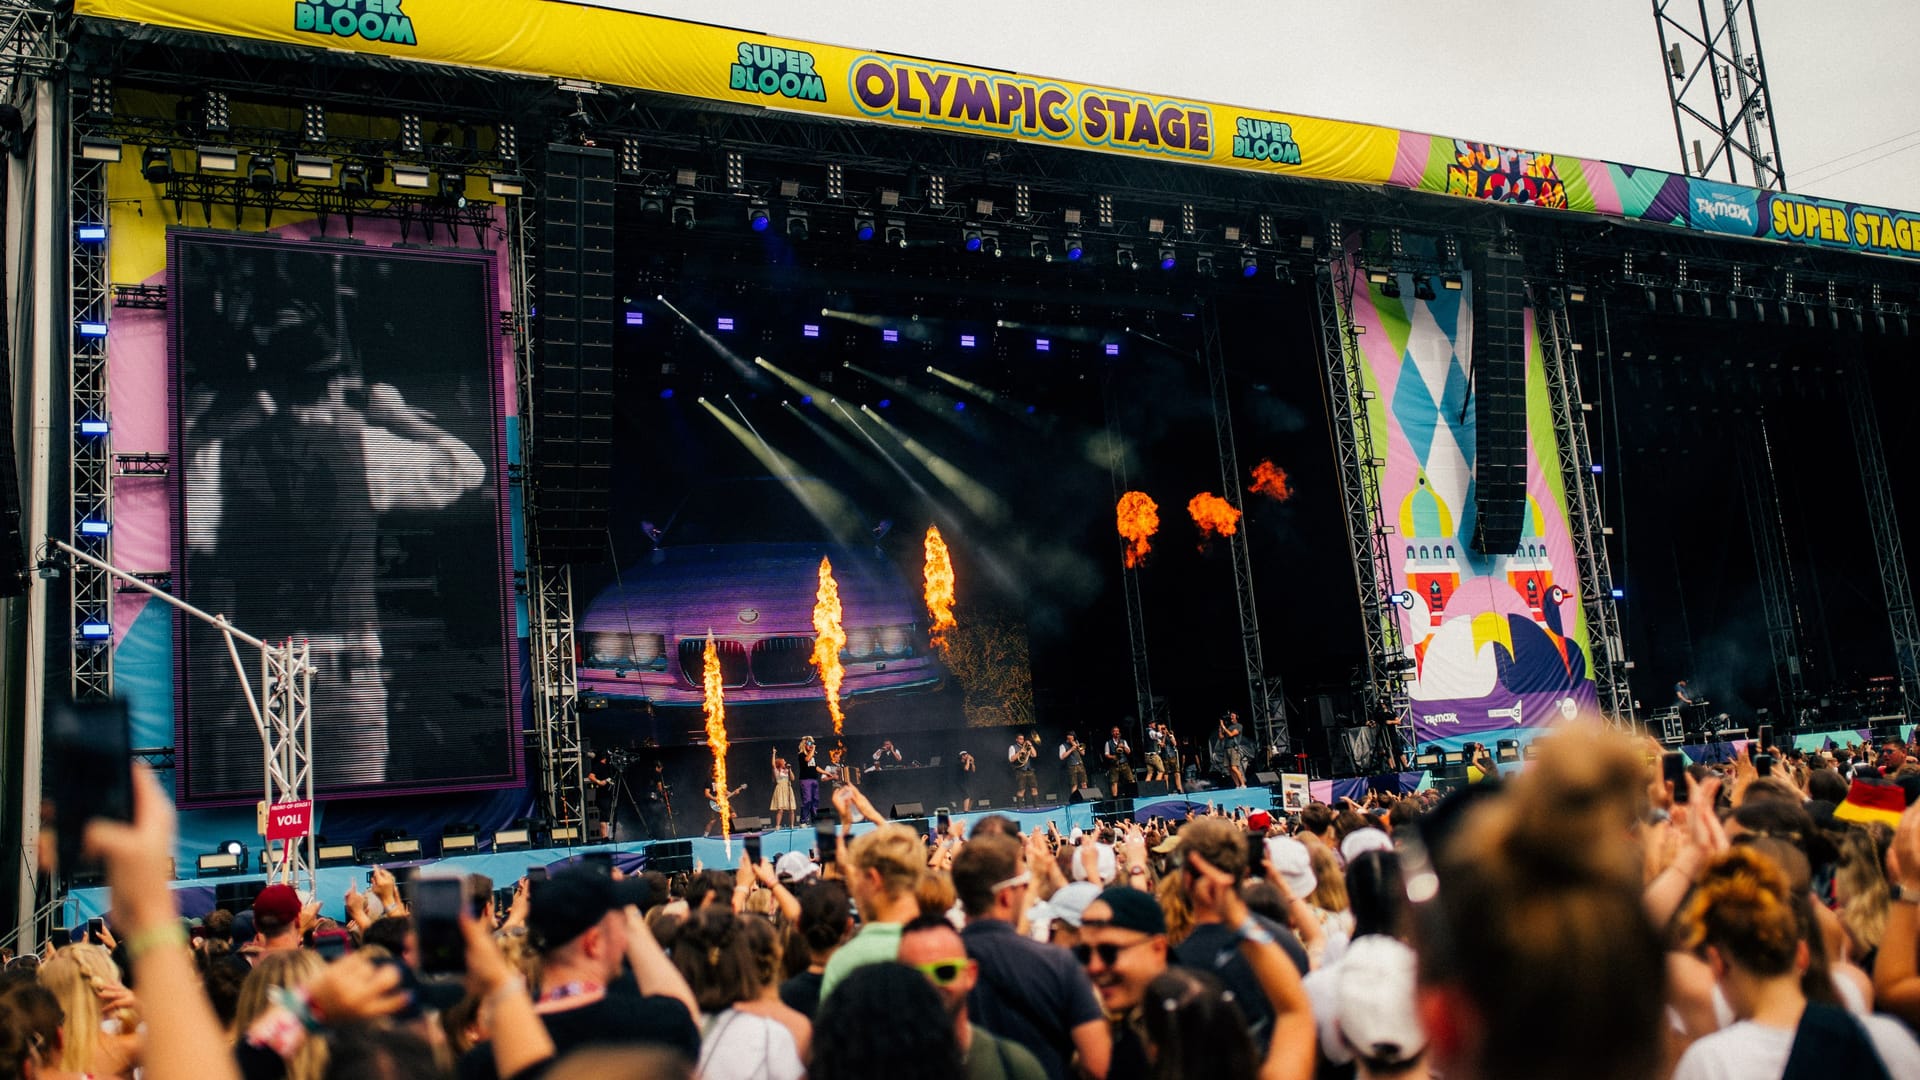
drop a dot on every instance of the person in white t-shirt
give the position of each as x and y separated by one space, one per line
1742 922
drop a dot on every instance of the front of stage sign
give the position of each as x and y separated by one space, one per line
648 52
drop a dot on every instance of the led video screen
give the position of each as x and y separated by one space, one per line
337 474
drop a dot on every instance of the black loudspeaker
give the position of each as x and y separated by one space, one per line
670 856
744 825
1499 379
1150 788
1087 794
907 810
1266 779
920 825
573 379
1323 705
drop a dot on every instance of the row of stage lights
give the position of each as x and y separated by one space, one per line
355 177
726 324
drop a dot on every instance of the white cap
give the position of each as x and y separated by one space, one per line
1295 864
1070 901
1109 866
1361 841
794 866
1374 1009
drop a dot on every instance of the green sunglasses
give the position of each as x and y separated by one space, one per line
942 972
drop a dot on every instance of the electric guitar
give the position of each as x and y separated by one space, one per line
715 803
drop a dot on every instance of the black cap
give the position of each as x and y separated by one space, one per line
570 903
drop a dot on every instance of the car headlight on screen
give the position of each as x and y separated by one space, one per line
606 648
896 641
650 651
860 644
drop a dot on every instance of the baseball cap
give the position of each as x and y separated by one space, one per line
1294 863
1133 909
570 903
243 928
1167 846
1373 1005
794 867
1259 821
1361 841
1069 902
1105 862
277 903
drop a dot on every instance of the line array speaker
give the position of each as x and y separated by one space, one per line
1499 365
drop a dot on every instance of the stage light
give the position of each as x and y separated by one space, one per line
683 215
312 167
724 322
806 399
1619 594
890 335
1391 289
93 427
314 124
886 402
797 224
863 227
453 190
959 406
1576 294
459 837
1167 258
1378 277
412 177
736 171
1597 468
93 329
353 179
1249 264
1113 348
966 341
401 847
230 858
971 239
1423 288
1042 345
667 394
757 217
1452 283
636 318
94 630
90 234
263 173
100 148
1123 258
411 141
90 527
896 232
100 96
1203 264
811 330
836 181
1506 750
156 164
1038 248
1075 248
507 185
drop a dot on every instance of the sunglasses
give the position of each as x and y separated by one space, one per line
943 972
1106 950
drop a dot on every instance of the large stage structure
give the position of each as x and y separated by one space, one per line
490 139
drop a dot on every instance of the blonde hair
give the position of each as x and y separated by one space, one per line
288 969
1330 884
76 976
1172 895
894 852
1864 911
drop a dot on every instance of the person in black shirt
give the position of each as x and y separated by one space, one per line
588 928
1123 948
807 769
601 789
826 922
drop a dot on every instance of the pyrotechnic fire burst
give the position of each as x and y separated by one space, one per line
829 637
1215 515
716 710
1271 480
939 588
1138 519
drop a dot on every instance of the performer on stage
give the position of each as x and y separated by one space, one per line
838 770
1119 767
660 797
602 789
713 803
1682 697
1073 753
965 776
808 769
783 802
1170 756
1156 753
1020 756
887 756
1234 753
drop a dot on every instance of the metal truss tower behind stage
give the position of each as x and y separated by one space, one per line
556 701
90 460
1268 704
1722 112
1767 526
1360 463
1143 702
1886 538
1605 643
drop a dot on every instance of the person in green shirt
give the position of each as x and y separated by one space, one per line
883 868
931 946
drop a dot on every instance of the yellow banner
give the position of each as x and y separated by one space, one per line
646 52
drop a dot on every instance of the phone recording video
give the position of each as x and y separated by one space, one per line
89 772
751 842
1673 769
436 915
825 839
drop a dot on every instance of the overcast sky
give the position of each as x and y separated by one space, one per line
1551 75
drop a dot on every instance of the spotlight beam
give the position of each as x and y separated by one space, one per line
976 496
1018 410
872 473
933 403
719 347
827 506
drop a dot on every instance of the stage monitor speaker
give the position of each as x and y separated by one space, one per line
670 856
752 824
907 810
1086 795
1498 377
1323 705
572 464
1266 779
1150 788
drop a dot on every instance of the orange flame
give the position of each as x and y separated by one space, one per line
1271 480
1138 519
716 710
829 637
939 588
1215 515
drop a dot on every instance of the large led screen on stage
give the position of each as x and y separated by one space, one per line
337 453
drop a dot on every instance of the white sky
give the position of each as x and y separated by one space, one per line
1572 78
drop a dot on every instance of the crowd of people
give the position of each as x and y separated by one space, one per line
1589 915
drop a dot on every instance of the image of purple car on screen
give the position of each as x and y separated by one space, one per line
643 636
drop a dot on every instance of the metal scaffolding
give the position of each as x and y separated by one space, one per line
1768 529
1268 708
1882 515
1606 644
1719 90
1343 372
556 702
90 455
1129 575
